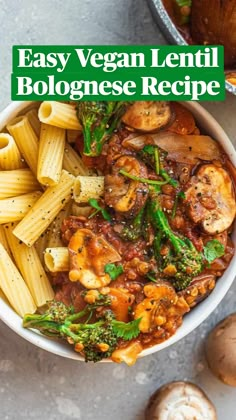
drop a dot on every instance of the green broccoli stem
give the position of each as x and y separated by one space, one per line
98 120
59 322
182 254
87 135
40 322
161 223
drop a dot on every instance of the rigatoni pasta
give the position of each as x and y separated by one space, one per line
45 210
40 246
26 140
13 285
53 232
3 239
73 163
51 150
16 208
88 186
32 116
59 114
30 266
10 157
57 259
17 182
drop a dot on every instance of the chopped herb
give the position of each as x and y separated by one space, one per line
125 330
212 250
150 277
144 180
154 158
169 180
181 194
93 203
113 270
149 148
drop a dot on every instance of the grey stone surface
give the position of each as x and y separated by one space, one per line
33 383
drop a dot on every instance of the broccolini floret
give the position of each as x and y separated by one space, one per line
98 119
183 261
134 231
94 340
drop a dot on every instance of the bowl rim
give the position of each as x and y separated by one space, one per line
170 31
191 320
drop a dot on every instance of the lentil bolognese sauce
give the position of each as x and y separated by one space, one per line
152 245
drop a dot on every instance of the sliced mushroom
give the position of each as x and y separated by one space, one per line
180 400
199 289
210 199
123 194
148 115
184 122
89 253
159 307
181 148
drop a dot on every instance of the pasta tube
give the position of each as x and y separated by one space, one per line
31 269
3 239
45 210
40 245
51 237
3 297
15 208
17 182
73 163
26 140
51 150
32 116
59 114
10 157
87 187
53 233
57 259
13 285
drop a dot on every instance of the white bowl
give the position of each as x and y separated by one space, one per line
191 320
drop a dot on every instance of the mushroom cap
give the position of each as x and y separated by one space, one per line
211 199
221 350
124 195
148 116
180 401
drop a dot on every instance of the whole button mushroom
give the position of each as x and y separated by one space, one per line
221 350
180 401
